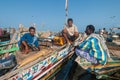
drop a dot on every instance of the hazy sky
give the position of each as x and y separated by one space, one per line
51 13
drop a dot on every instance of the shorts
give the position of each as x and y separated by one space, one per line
72 38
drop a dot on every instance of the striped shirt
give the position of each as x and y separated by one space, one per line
94 48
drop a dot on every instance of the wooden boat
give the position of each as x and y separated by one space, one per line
4 35
102 72
41 65
37 64
114 45
79 68
114 49
85 68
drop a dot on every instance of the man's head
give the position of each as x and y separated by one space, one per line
103 28
90 29
70 22
32 30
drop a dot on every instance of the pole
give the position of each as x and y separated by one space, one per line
66 9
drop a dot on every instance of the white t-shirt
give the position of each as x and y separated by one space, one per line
71 30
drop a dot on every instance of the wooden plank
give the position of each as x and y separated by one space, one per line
9 50
8 44
115 53
107 71
34 57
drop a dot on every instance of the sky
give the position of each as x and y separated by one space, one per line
50 14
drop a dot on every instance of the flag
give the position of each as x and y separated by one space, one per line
66 5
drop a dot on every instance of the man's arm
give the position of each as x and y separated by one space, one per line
85 45
23 41
37 44
76 33
65 35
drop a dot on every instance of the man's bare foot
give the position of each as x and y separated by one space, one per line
26 51
68 44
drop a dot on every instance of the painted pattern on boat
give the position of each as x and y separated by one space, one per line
42 67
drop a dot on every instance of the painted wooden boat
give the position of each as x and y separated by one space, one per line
85 68
42 67
44 64
5 37
100 71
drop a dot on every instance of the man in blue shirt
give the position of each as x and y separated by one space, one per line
29 40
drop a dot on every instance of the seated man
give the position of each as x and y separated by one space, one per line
93 49
29 40
70 31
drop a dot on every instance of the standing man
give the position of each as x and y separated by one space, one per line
70 31
29 40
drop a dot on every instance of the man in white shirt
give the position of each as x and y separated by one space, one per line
70 31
